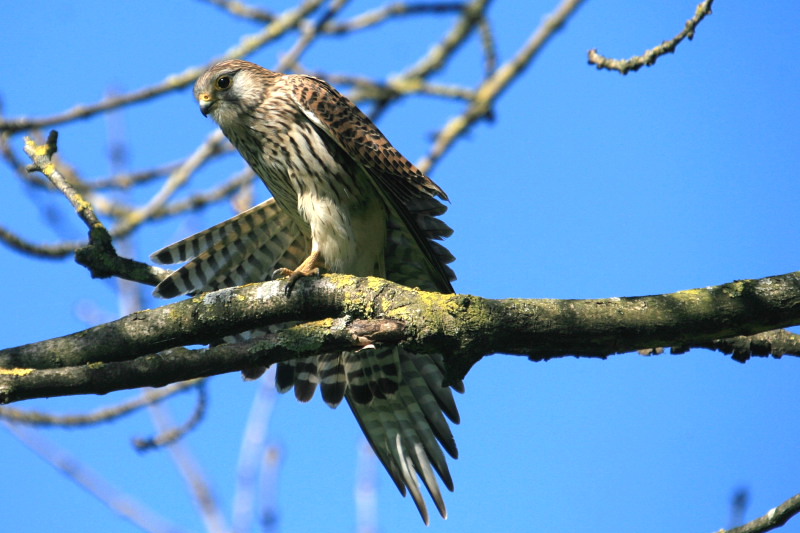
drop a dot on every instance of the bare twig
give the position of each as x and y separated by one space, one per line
126 180
107 414
359 22
253 449
239 9
171 435
213 145
192 473
41 155
384 13
76 471
650 56
775 518
248 44
493 86
47 251
309 35
437 56
99 255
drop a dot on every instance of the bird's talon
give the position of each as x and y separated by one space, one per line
292 276
280 273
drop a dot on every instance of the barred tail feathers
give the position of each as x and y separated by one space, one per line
400 402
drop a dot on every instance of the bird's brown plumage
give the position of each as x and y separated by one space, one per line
346 200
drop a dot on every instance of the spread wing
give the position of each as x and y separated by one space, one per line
244 249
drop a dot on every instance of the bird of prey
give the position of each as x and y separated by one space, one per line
346 201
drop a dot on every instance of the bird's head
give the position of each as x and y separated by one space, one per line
231 87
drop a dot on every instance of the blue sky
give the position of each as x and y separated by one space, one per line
587 185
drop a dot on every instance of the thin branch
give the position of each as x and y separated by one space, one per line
99 255
253 449
213 145
239 9
248 44
489 47
389 11
201 199
368 89
106 414
365 20
41 155
309 36
73 469
173 434
437 56
127 180
192 473
775 518
45 251
650 56
494 86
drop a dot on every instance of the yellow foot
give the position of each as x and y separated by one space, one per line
309 267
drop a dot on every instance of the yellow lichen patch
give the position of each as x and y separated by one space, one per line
374 283
691 292
736 288
42 149
82 205
48 169
15 371
440 301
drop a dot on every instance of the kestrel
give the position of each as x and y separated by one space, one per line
346 201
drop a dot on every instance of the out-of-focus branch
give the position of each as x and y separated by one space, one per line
494 86
192 473
213 145
359 22
126 180
248 44
99 255
650 56
125 505
240 9
389 11
308 36
437 56
169 435
48 251
255 460
107 414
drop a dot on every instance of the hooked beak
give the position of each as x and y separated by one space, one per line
206 102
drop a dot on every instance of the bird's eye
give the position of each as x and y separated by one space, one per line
223 82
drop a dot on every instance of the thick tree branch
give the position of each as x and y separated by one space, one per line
464 328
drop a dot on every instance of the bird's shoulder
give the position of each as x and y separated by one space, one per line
354 131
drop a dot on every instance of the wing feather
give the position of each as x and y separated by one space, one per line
409 195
